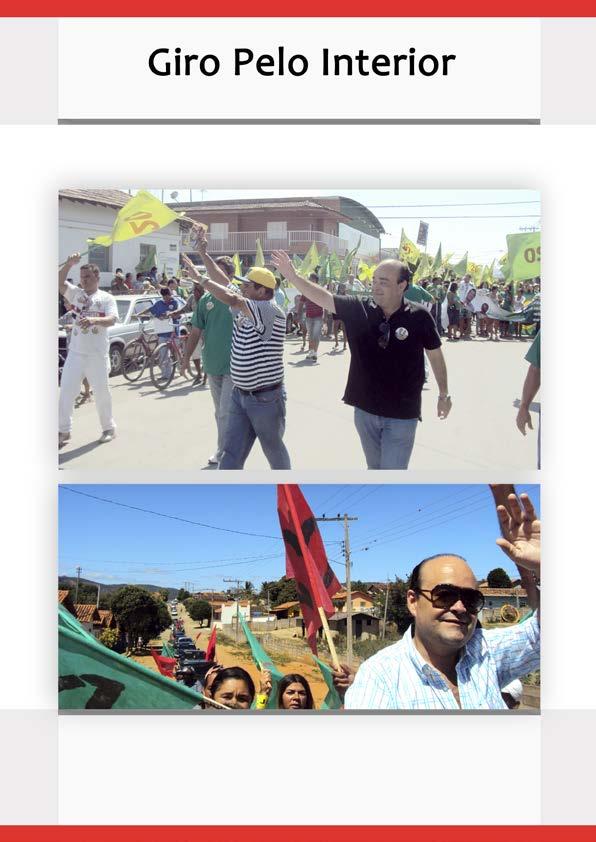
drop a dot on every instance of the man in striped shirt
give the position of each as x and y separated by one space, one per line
444 661
258 403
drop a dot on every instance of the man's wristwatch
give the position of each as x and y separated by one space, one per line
444 397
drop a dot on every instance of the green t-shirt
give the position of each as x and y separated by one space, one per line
533 355
213 317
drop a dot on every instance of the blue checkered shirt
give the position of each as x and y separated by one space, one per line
398 677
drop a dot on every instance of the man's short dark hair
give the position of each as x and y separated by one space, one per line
416 574
93 267
227 264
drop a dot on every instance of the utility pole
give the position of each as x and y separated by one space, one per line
98 592
237 583
385 611
349 631
79 571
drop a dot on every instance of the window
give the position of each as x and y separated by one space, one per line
369 622
277 230
147 256
218 231
100 255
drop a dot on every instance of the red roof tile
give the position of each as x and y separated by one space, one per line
86 613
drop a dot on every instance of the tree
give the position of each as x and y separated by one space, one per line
183 594
138 614
286 593
109 637
198 609
164 593
397 608
498 578
87 593
359 585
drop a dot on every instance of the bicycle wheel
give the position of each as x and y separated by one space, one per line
162 366
134 360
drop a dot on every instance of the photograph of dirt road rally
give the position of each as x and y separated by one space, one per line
314 597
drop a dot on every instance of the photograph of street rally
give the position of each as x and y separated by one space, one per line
313 597
231 329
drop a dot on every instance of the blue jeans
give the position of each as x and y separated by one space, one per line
220 386
261 416
387 442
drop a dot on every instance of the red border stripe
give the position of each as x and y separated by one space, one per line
318 833
307 8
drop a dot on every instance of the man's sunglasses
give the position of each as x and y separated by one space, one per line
444 596
385 329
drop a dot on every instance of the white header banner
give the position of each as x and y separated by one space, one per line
299 69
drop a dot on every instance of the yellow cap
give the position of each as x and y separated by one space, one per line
259 275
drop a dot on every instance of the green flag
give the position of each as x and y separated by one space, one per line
148 262
92 676
296 262
438 261
332 700
324 270
418 295
423 269
348 260
167 651
311 260
523 252
260 257
262 662
408 250
334 267
461 268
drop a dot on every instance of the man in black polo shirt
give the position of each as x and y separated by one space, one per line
388 338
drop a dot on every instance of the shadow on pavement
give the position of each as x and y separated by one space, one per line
78 451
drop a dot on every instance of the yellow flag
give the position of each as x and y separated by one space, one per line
407 249
237 264
366 272
260 257
144 214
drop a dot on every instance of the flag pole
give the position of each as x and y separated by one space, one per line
313 583
328 638
81 254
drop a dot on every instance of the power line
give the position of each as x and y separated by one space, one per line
462 204
441 502
426 524
480 216
170 517
448 519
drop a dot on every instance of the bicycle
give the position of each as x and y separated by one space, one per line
136 354
164 359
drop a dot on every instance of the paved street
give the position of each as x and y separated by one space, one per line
175 430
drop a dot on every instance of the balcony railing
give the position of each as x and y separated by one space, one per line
292 241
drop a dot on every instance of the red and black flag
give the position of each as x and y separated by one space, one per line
306 559
210 654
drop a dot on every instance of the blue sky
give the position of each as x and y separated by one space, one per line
398 525
461 227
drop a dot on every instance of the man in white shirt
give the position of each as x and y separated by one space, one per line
88 355
465 285
445 660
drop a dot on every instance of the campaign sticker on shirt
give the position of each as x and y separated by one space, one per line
401 333
210 305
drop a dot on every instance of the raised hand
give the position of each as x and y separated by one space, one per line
199 238
521 532
282 261
72 260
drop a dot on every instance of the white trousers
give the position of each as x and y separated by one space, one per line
96 369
